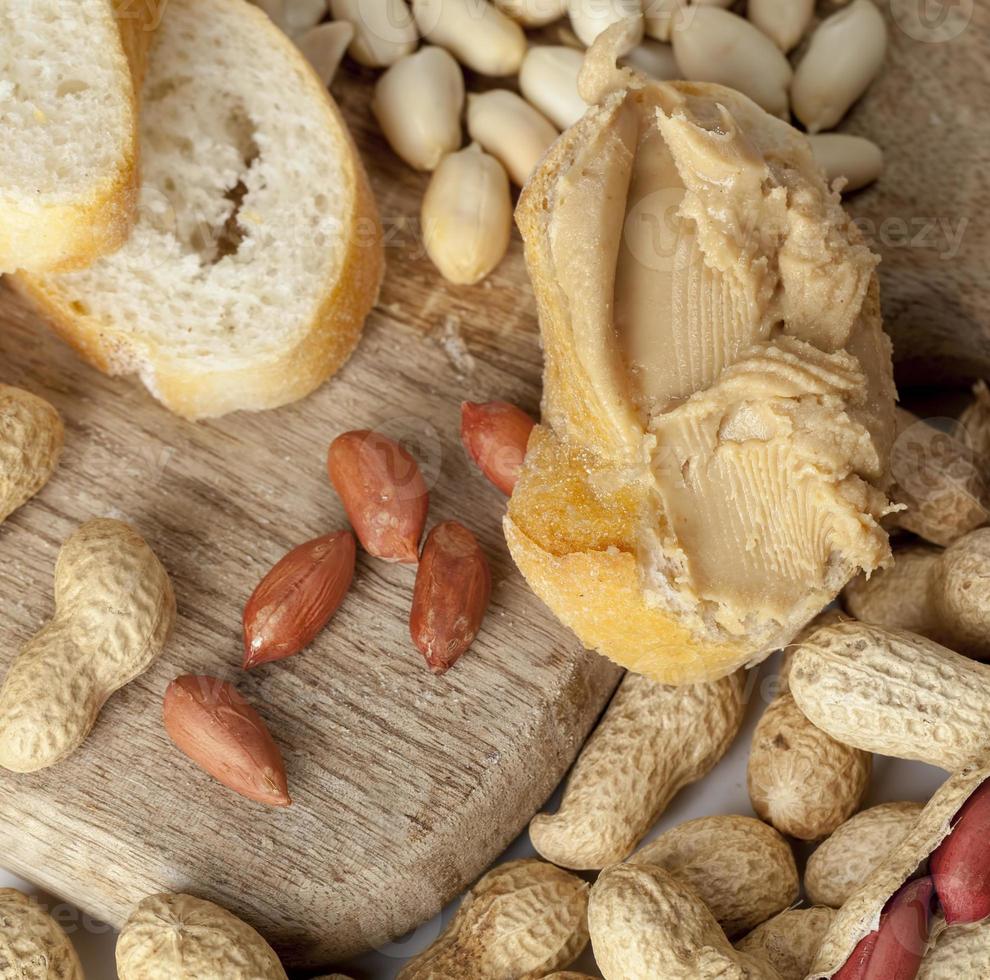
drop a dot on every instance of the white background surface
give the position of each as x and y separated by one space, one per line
723 791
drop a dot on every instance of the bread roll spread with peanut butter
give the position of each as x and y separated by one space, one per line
718 395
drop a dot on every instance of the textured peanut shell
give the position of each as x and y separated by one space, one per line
975 422
33 945
114 611
789 941
860 914
31 437
843 862
961 593
895 693
959 953
647 925
939 481
652 741
178 937
743 870
800 779
524 919
568 975
900 596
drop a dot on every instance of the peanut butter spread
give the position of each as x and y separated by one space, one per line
715 333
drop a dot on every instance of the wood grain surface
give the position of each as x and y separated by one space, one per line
407 786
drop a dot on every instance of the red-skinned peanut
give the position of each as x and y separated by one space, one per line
453 586
960 865
383 492
894 951
297 598
495 436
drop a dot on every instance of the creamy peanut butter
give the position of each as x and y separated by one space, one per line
724 316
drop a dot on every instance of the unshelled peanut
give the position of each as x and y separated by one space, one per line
524 919
961 594
895 693
33 946
789 941
959 953
975 424
846 859
114 612
884 929
743 870
652 741
801 780
898 597
937 479
31 437
178 937
646 924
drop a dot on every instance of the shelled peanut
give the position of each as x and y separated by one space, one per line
651 742
523 919
297 598
383 492
216 728
495 436
450 599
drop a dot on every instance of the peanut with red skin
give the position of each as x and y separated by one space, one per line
297 598
495 436
960 865
216 728
383 492
453 587
894 951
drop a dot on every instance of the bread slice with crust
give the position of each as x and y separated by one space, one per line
69 73
257 253
718 395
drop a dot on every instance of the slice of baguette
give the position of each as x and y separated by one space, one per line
718 403
257 253
68 128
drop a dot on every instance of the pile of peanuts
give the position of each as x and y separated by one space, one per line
536 47
897 892
108 577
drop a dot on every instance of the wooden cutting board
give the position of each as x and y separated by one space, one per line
407 786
